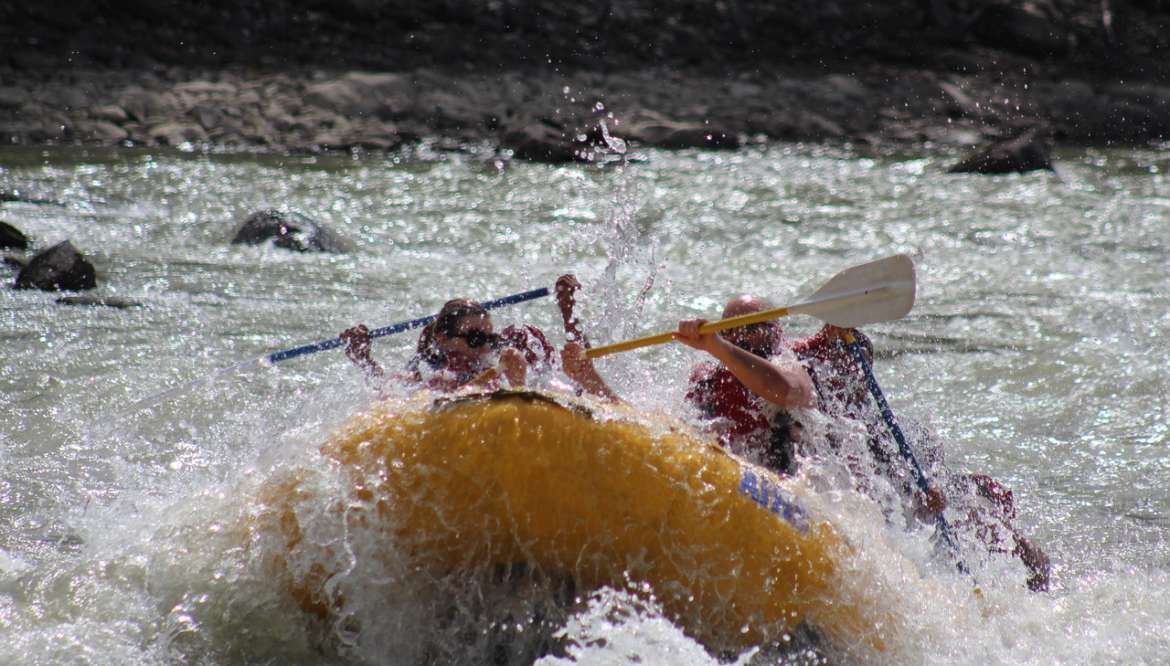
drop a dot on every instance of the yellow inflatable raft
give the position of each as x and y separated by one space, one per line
511 477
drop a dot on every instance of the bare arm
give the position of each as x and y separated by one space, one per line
786 385
566 288
580 369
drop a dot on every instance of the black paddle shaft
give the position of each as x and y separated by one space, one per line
941 523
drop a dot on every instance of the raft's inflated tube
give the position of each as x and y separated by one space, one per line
514 477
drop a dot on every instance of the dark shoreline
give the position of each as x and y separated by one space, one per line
528 78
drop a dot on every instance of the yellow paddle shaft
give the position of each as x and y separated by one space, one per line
709 327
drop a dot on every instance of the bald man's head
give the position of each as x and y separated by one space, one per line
745 304
761 339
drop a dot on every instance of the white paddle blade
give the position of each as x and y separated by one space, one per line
881 290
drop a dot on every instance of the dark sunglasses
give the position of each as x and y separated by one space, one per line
751 329
476 338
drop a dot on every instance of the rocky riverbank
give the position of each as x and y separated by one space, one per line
376 76
555 117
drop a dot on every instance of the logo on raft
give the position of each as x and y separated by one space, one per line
772 497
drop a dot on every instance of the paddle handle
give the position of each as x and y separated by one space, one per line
709 327
333 343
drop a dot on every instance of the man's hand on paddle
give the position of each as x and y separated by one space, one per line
357 349
579 367
688 334
357 344
929 504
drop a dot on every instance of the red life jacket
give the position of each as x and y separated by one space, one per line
839 381
743 426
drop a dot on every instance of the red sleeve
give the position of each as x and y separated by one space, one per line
531 341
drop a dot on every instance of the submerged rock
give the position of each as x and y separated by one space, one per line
100 301
17 197
59 268
1026 152
12 238
290 231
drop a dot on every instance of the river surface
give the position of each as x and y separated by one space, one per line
1036 351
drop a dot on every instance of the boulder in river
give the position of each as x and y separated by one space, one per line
539 141
290 231
1020 154
59 268
12 238
672 134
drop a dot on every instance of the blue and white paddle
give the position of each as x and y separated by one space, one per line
268 360
333 343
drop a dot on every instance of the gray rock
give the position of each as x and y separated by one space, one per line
109 113
362 94
100 131
67 99
12 238
847 86
1120 112
249 98
340 97
43 128
330 140
539 142
290 231
12 98
445 110
59 268
951 135
206 89
176 134
143 105
1020 154
958 102
208 115
674 134
798 125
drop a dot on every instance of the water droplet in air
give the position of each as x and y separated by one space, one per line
615 144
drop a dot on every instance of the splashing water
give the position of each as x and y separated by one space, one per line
120 538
